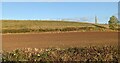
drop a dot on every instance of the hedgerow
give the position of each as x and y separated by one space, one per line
107 54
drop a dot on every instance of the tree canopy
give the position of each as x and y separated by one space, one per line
113 22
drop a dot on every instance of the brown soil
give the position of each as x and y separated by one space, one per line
68 39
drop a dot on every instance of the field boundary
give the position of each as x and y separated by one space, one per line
53 32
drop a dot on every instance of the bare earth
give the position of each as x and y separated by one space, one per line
68 39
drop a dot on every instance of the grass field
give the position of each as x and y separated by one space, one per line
23 26
35 24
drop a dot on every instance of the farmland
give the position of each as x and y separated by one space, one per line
36 26
56 47
68 39
23 40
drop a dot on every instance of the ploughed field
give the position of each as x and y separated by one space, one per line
66 39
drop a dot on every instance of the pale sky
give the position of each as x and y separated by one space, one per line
80 11
60 0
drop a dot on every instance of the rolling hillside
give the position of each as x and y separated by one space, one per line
14 26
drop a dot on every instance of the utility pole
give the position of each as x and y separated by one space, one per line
96 20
